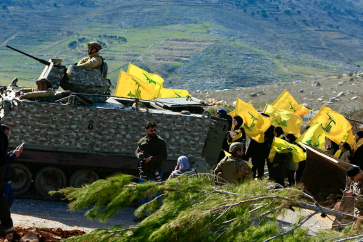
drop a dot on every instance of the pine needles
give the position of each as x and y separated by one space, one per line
193 209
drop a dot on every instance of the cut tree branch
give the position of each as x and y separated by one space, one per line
289 231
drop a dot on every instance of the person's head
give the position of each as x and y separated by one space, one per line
344 147
221 113
236 149
290 138
43 84
182 164
150 129
278 131
353 174
237 121
5 129
358 135
93 47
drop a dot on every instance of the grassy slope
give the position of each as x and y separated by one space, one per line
249 49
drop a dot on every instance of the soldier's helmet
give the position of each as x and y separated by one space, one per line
94 44
44 80
234 147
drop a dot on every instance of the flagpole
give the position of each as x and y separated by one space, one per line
352 120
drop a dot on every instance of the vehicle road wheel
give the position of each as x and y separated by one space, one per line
21 180
83 177
50 179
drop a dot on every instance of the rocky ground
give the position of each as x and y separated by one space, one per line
52 220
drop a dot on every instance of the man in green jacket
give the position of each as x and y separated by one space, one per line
152 152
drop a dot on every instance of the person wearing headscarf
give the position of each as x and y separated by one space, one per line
344 152
237 134
356 157
182 167
221 113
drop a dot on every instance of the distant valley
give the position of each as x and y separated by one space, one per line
210 44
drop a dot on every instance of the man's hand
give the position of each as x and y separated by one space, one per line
21 97
18 150
17 93
348 193
147 159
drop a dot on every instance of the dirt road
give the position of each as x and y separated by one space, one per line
52 214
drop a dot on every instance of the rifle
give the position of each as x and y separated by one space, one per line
44 62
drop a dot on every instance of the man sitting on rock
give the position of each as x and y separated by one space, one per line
44 90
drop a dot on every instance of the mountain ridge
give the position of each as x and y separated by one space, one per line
297 40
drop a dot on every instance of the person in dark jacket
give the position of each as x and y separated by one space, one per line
356 157
10 158
279 163
152 152
221 113
5 217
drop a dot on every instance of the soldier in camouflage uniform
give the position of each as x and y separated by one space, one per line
356 189
93 60
44 90
233 168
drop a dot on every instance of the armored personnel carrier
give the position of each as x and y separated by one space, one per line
83 133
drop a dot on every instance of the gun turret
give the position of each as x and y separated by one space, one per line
33 57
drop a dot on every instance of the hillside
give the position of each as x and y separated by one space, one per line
207 44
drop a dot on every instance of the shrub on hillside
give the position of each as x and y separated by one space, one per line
287 11
4 7
264 15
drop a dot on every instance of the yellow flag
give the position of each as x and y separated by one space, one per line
282 146
286 102
233 113
314 136
349 138
132 87
146 77
253 122
168 93
289 122
302 110
334 124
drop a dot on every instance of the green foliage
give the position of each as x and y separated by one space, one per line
287 11
193 208
4 7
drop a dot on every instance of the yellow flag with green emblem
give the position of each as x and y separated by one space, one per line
286 102
282 146
169 93
233 113
334 124
349 138
254 123
132 87
314 136
289 122
147 78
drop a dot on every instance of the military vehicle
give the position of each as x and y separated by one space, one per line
83 133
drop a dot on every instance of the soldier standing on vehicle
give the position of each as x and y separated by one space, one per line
233 168
356 189
44 90
93 60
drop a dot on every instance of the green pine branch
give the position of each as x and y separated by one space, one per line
192 209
